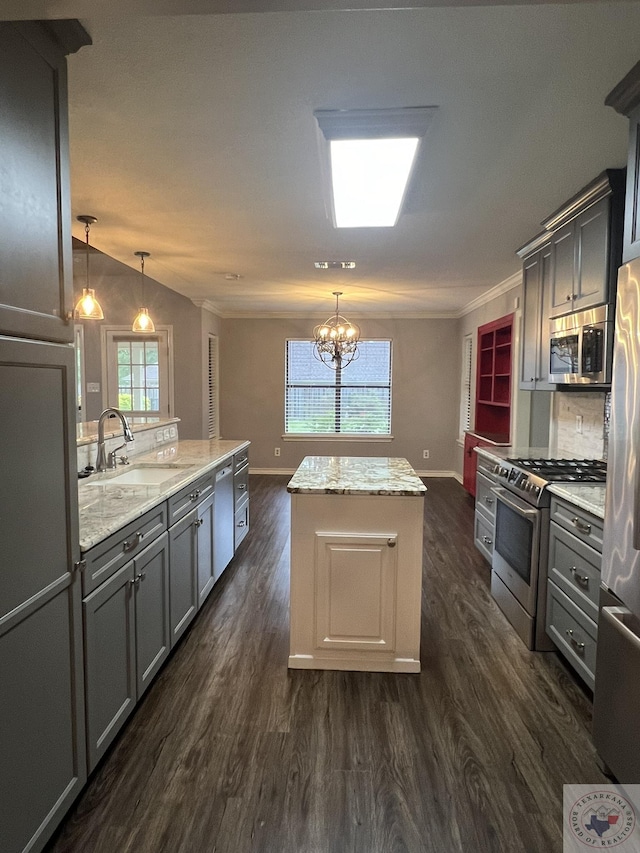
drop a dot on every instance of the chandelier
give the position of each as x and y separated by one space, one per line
336 340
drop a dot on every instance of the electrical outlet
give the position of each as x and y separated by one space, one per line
276 451
425 454
579 424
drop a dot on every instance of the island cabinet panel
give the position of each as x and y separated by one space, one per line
356 578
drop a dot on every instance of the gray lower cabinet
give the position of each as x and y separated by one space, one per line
183 585
575 546
241 496
127 638
485 509
42 736
206 522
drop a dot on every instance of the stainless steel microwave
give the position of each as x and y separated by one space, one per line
581 347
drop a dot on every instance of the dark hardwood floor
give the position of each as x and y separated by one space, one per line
231 752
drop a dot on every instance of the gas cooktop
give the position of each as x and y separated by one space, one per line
529 477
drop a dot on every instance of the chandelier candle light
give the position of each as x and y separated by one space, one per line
142 321
336 340
87 307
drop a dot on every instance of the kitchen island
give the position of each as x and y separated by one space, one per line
356 564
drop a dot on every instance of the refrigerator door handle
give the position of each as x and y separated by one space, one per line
616 616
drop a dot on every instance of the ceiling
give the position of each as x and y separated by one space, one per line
192 137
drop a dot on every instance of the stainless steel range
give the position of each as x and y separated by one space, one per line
519 564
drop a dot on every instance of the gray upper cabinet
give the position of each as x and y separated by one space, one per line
625 99
536 279
36 284
586 245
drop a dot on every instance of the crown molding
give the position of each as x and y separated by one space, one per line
505 286
208 305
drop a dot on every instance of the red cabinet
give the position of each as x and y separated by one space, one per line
493 394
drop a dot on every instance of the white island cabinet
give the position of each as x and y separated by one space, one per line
356 564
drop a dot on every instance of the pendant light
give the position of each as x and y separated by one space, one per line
142 322
87 307
336 340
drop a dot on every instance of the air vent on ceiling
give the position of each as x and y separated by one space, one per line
335 265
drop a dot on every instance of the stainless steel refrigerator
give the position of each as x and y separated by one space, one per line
616 711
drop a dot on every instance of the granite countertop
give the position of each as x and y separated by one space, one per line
87 432
106 507
587 496
355 475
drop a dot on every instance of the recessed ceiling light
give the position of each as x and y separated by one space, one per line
335 265
371 156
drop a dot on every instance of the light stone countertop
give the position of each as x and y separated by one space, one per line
587 496
356 475
105 508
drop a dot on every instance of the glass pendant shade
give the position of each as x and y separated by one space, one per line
143 322
88 307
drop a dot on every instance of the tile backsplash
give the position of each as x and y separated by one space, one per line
580 424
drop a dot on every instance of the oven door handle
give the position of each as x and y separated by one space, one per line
505 497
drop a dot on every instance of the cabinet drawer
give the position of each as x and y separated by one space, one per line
483 536
241 524
485 499
582 524
184 501
575 635
108 556
241 485
241 459
575 568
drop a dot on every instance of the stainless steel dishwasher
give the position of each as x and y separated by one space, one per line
224 520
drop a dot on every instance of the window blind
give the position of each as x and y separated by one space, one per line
355 400
212 407
465 391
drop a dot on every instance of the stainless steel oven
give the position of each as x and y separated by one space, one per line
518 564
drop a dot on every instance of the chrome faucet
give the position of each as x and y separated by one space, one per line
102 460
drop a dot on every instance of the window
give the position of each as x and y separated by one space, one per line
213 406
353 401
138 372
465 389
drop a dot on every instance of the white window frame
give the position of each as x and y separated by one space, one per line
109 334
466 386
341 436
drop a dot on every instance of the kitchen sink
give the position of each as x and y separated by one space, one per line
144 475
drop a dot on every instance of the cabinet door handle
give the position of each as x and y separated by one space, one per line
198 522
141 576
487 540
242 487
132 543
489 501
581 525
577 645
581 580
391 543
241 523
194 495
569 297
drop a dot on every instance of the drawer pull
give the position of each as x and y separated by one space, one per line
487 540
194 495
489 501
577 645
241 523
581 525
242 487
132 543
581 580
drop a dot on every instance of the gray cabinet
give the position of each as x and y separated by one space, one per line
485 508
586 245
534 351
36 294
224 544
625 99
42 712
206 544
241 496
183 574
127 639
575 548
